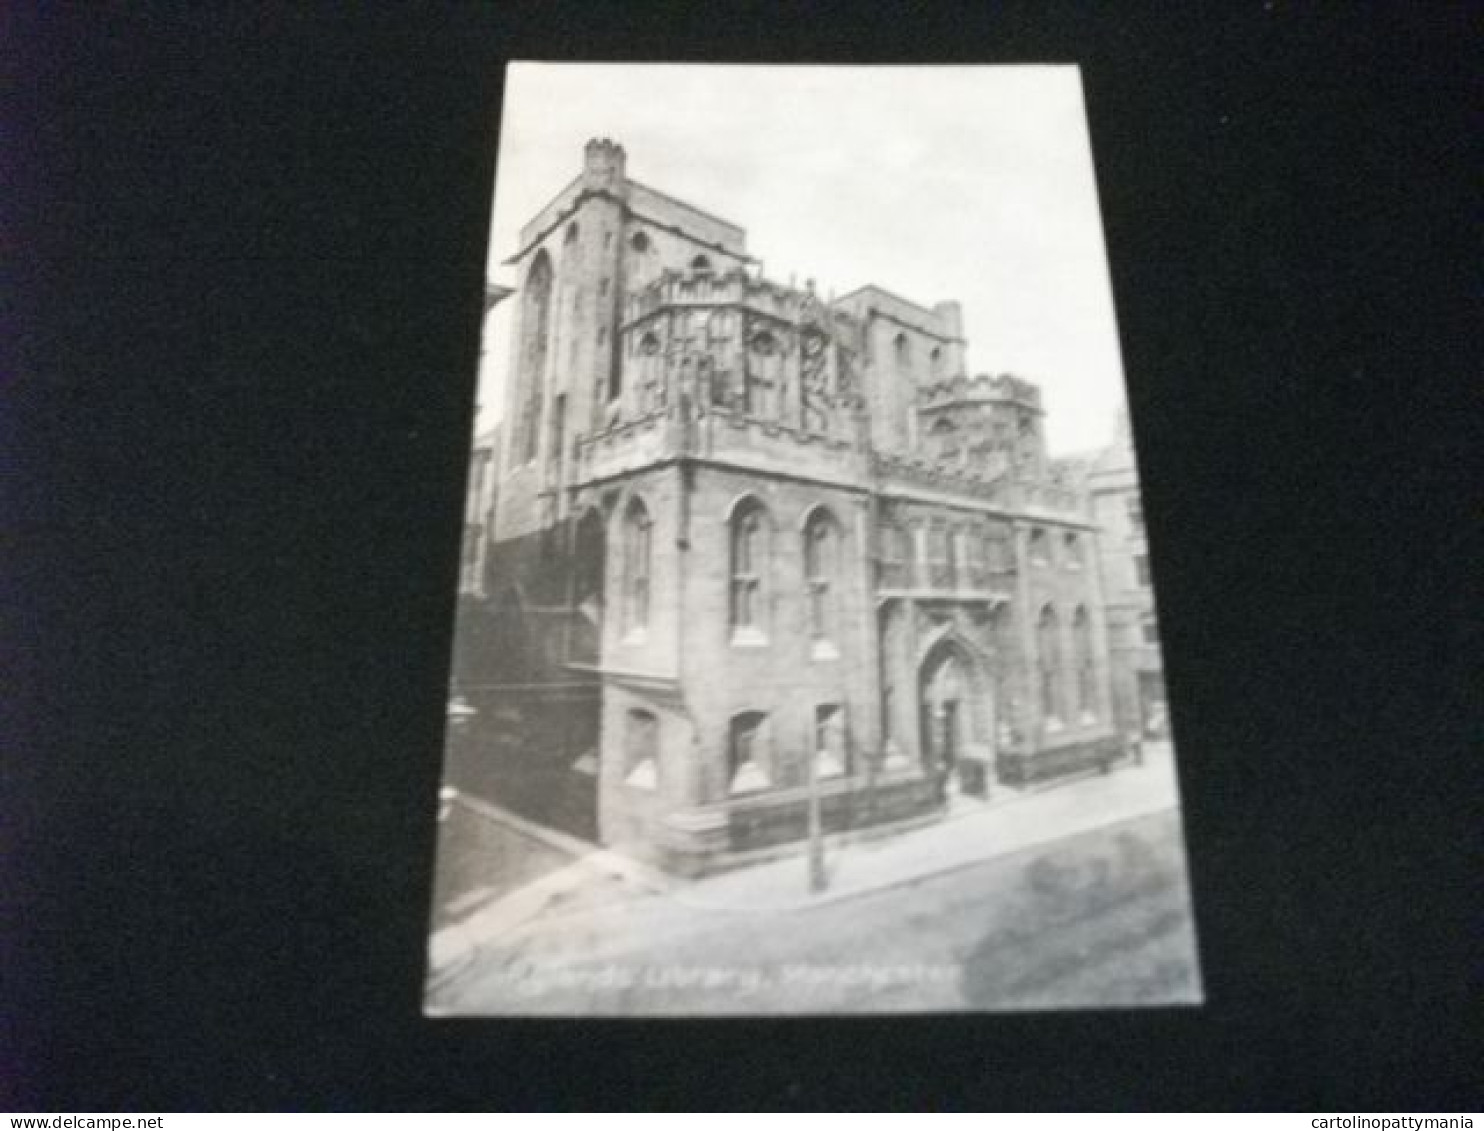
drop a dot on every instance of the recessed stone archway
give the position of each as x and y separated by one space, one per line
955 708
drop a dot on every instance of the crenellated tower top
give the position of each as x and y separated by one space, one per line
603 163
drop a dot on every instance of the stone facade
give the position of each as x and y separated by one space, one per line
779 547
1112 485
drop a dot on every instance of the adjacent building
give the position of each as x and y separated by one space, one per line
1112 484
751 546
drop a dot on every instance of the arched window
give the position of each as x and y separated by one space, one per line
1040 547
701 265
535 334
1048 657
1082 649
573 231
636 559
936 359
749 535
901 347
821 566
641 749
1072 551
763 373
747 755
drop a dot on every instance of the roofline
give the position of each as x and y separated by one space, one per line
608 194
889 294
738 228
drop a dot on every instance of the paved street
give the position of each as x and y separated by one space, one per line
1097 918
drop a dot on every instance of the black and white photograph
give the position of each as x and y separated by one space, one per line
807 656
830 558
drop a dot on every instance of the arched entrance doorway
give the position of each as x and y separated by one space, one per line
956 717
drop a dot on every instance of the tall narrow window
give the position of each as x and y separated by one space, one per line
747 768
1082 647
1048 656
902 350
978 551
893 563
636 549
749 561
939 566
535 334
1001 549
1141 570
821 554
957 574
558 431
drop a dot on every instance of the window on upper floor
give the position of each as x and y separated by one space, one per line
821 575
1038 547
1001 549
1072 551
701 265
893 557
901 347
958 575
535 331
940 567
637 549
639 242
1141 570
979 556
1150 630
749 562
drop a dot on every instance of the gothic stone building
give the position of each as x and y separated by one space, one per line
751 546
1136 667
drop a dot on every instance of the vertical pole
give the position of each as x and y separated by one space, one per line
816 831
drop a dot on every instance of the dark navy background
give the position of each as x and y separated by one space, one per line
244 257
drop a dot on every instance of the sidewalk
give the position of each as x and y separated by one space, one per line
973 831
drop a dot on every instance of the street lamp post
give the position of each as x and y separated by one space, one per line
816 824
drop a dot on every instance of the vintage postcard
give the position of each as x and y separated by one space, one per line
807 657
